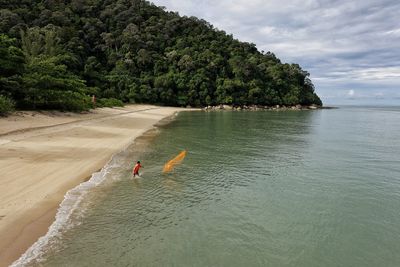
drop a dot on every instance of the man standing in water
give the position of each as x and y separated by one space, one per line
136 169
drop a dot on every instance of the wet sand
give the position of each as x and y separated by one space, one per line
43 155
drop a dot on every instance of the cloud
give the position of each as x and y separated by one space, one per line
381 73
343 44
395 32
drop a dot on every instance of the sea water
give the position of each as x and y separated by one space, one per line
265 188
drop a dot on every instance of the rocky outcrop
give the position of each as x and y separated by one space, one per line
259 107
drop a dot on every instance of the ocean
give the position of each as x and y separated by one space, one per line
257 188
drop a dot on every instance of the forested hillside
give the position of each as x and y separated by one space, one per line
55 54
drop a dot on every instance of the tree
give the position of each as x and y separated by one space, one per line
49 85
12 62
119 81
48 82
136 52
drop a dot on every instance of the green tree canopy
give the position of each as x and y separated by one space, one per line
134 51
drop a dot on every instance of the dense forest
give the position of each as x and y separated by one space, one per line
56 54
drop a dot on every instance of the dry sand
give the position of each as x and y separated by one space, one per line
43 155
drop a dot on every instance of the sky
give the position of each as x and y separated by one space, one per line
351 48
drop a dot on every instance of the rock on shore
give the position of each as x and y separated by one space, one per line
260 107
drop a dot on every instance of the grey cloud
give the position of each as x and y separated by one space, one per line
343 44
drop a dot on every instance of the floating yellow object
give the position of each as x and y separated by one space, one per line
169 166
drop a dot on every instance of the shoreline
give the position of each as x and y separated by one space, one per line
57 155
265 108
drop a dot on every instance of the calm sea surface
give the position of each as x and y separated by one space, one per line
287 188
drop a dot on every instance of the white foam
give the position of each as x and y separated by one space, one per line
69 206
63 220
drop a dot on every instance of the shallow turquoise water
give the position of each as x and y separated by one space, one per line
293 188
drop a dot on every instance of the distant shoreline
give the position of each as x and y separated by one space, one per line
262 107
45 155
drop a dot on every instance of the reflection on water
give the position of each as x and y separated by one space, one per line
172 185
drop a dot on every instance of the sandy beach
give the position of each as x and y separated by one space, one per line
43 155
